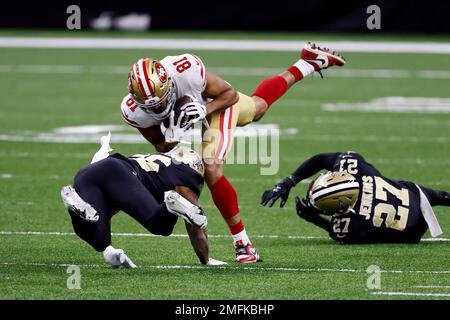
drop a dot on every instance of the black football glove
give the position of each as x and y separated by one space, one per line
304 209
281 190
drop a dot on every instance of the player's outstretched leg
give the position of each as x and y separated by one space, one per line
312 58
90 210
437 197
225 199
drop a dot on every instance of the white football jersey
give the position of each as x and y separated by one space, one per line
189 75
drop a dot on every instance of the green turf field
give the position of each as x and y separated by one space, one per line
45 89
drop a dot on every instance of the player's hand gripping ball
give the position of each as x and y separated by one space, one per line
186 112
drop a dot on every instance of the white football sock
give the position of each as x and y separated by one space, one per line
241 236
304 67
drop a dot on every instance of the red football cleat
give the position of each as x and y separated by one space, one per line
246 253
321 58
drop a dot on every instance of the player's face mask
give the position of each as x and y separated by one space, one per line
151 88
333 193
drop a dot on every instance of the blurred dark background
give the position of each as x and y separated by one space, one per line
302 15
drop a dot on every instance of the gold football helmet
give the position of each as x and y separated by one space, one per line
151 87
334 192
187 156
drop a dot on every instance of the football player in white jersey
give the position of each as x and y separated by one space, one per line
154 86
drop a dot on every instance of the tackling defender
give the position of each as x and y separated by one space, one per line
154 86
365 206
153 189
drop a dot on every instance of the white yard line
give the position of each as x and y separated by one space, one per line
285 134
342 270
45 155
92 134
225 45
127 234
433 287
436 239
373 138
380 161
224 71
394 104
415 294
325 270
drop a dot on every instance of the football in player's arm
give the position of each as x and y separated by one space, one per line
364 206
154 189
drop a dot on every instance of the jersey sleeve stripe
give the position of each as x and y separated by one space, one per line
146 78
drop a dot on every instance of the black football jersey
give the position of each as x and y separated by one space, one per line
160 173
386 210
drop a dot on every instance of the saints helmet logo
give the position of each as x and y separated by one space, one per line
334 192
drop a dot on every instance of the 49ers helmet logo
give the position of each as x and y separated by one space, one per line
161 72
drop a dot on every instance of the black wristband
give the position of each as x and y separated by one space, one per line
290 180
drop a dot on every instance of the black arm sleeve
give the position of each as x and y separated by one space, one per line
313 216
314 164
437 197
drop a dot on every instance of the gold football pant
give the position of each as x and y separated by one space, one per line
218 139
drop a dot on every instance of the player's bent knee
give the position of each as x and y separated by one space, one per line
162 232
79 179
213 172
166 233
160 229
85 231
98 243
261 108
259 115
